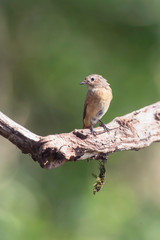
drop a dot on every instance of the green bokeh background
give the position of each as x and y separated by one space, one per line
46 50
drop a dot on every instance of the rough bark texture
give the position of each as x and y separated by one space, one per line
133 131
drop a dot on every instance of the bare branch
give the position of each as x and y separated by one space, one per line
133 131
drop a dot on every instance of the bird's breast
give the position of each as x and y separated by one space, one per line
102 95
98 101
96 105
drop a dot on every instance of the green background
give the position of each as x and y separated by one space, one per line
46 49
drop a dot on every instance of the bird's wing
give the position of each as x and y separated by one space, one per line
84 112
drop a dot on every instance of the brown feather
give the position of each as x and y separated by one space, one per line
97 100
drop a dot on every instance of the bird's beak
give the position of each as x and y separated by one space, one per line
82 83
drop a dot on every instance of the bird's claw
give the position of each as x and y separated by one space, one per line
104 126
92 131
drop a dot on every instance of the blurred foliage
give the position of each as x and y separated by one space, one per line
47 48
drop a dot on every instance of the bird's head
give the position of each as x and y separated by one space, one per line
95 81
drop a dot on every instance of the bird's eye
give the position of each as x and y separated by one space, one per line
92 79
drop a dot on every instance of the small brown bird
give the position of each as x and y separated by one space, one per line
97 101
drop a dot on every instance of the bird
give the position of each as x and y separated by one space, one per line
97 101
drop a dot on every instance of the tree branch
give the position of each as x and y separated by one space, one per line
133 131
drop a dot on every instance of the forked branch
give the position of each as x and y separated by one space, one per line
133 131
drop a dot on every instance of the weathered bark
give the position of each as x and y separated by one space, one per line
133 131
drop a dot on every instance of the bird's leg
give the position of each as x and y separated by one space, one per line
104 126
91 128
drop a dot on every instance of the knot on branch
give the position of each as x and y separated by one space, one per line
80 134
49 155
157 115
51 158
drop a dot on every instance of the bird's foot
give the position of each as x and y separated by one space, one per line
92 131
104 126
